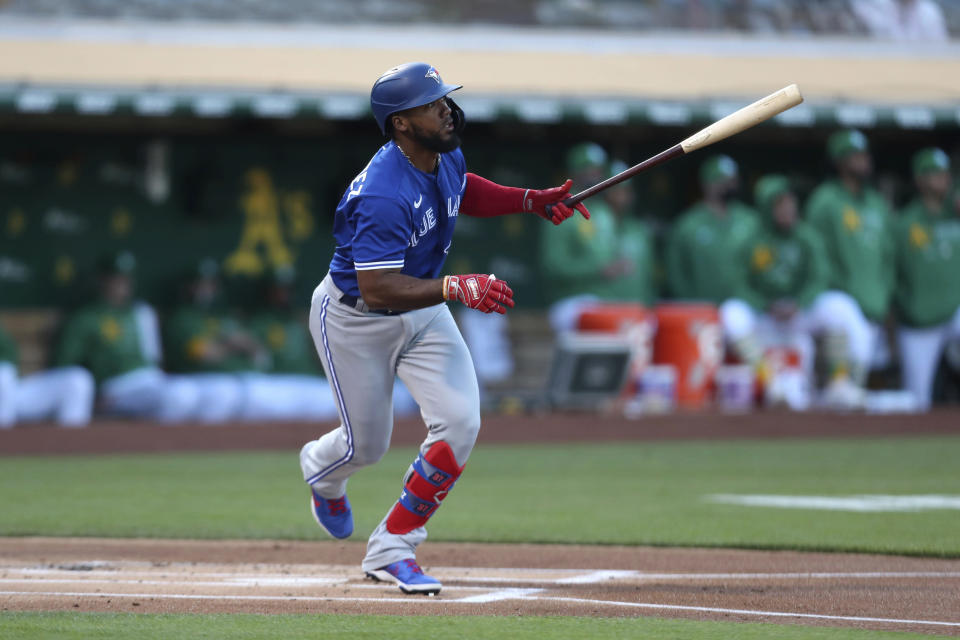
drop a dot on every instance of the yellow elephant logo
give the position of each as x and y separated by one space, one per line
762 258
110 329
276 337
919 237
851 219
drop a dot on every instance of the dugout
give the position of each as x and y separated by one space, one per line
73 186
178 151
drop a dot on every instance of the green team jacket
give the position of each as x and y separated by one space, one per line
704 251
8 349
784 265
187 329
928 265
574 254
104 339
858 236
291 348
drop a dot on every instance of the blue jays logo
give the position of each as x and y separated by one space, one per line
433 73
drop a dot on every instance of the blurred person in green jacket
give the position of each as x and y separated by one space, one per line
706 238
856 226
606 258
64 395
292 385
116 338
785 301
705 244
206 343
927 297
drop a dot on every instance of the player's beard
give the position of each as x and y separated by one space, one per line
437 142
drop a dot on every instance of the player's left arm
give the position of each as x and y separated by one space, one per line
390 289
484 198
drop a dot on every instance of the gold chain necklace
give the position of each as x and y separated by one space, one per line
437 163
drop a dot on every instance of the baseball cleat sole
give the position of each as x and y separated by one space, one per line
425 589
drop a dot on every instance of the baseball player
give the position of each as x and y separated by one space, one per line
64 394
785 301
291 388
704 246
609 257
206 345
380 313
117 340
928 274
854 222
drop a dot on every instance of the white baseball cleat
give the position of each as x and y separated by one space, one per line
842 394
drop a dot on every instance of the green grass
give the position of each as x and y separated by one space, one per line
624 493
80 626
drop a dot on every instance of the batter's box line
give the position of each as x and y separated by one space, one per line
745 612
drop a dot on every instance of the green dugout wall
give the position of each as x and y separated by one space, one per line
256 192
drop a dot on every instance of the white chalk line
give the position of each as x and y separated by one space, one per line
859 503
599 576
505 594
471 599
746 612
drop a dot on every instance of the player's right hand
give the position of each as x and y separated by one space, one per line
548 203
479 291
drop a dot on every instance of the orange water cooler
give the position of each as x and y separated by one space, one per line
689 338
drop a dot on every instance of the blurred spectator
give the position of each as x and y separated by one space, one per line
608 257
636 244
855 224
291 387
928 274
785 301
117 340
64 394
913 20
706 242
754 16
207 345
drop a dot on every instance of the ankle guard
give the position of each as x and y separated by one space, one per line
433 475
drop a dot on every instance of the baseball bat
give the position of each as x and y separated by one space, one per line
741 120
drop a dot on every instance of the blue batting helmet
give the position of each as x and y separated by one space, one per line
410 85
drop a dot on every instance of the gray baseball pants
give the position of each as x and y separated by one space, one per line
362 353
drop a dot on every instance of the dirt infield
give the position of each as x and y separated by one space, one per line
116 436
183 576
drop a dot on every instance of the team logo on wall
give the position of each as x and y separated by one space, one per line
433 73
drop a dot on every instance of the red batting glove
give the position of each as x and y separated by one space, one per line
536 201
478 291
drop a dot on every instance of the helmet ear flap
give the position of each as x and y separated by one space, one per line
459 120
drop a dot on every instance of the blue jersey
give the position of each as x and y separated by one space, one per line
394 216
